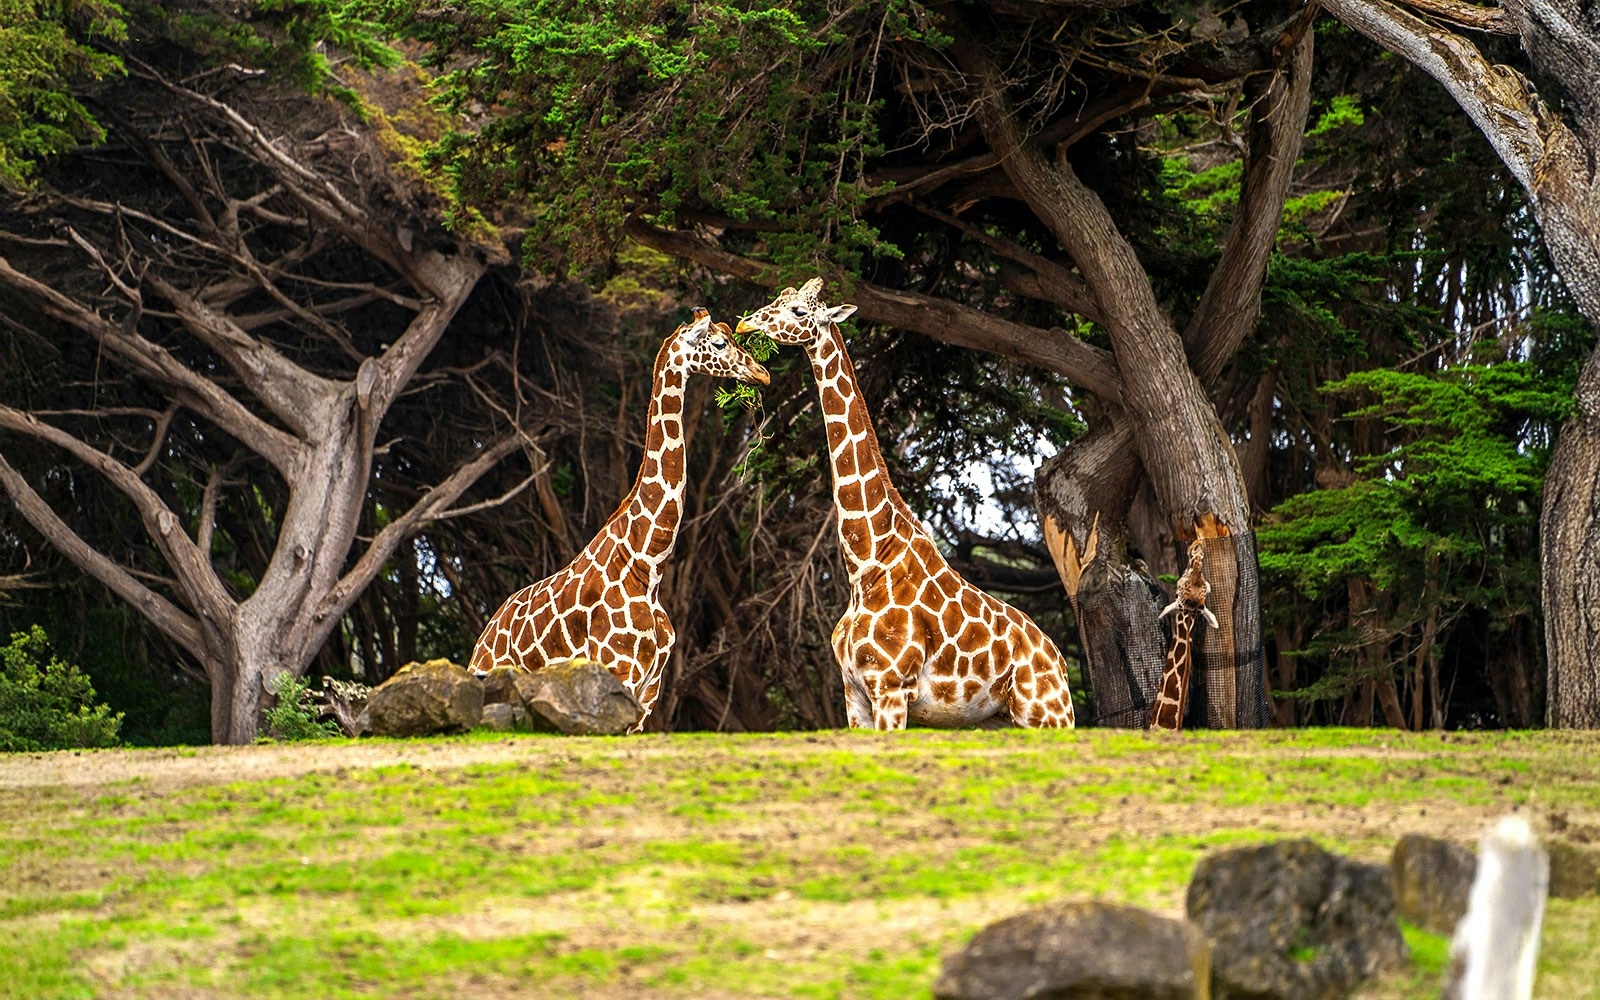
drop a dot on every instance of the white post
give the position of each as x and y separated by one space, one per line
1496 945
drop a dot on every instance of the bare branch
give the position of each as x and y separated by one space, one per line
168 617
949 322
157 439
1232 300
318 194
187 387
1497 98
189 563
366 569
499 501
1467 15
293 394
1053 282
1065 132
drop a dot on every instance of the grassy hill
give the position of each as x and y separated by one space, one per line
802 865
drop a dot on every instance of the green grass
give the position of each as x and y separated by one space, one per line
796 865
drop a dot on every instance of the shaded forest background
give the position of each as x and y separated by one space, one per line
1392 406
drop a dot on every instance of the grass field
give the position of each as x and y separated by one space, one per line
804 865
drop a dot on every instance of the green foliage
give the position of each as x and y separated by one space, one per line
47 704
605 110
294 717
1440 522
1462 476
46 47
49 48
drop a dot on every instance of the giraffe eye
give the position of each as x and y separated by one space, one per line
719 344
800 311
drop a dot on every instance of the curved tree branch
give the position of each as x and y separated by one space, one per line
949 322
188 388
435 504
1232 300
168 617
189 563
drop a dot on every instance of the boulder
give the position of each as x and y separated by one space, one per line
1574 869
425 698
498 717
1432 881
500 686
578 697
1078 951
1289 921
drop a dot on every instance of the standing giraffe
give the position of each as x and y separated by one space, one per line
1172 697
605 604
917 643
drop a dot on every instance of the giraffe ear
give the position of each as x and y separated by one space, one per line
702 323
838 314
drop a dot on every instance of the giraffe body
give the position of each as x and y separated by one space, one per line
917 642
605 604
1172 696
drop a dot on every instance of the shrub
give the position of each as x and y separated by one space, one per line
294 717
48 704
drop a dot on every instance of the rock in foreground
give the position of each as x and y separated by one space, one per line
1432 881
578 697
1289 921
426 698
1077 951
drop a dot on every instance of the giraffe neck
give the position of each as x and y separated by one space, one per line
1172 694
646 522
869 507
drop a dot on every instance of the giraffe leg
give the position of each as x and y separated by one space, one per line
890 709
1040 698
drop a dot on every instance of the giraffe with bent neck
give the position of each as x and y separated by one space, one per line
917 642
1172 696
605 604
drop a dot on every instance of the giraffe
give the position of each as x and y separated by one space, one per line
1172 696
605 604
917 642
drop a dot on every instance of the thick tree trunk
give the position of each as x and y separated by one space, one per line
1082 495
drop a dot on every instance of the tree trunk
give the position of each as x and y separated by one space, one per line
1083 494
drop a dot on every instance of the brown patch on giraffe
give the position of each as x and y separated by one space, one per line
904 592
951 619
893 627
832 401
970 688
651 494
844 466
850 496
882 519
857 418
943 691
672 463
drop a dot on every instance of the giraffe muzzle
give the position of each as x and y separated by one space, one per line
759 376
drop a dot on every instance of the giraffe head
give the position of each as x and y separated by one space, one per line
709 348
796 317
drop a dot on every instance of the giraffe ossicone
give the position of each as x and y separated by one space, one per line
1172 695
917 642
605 604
